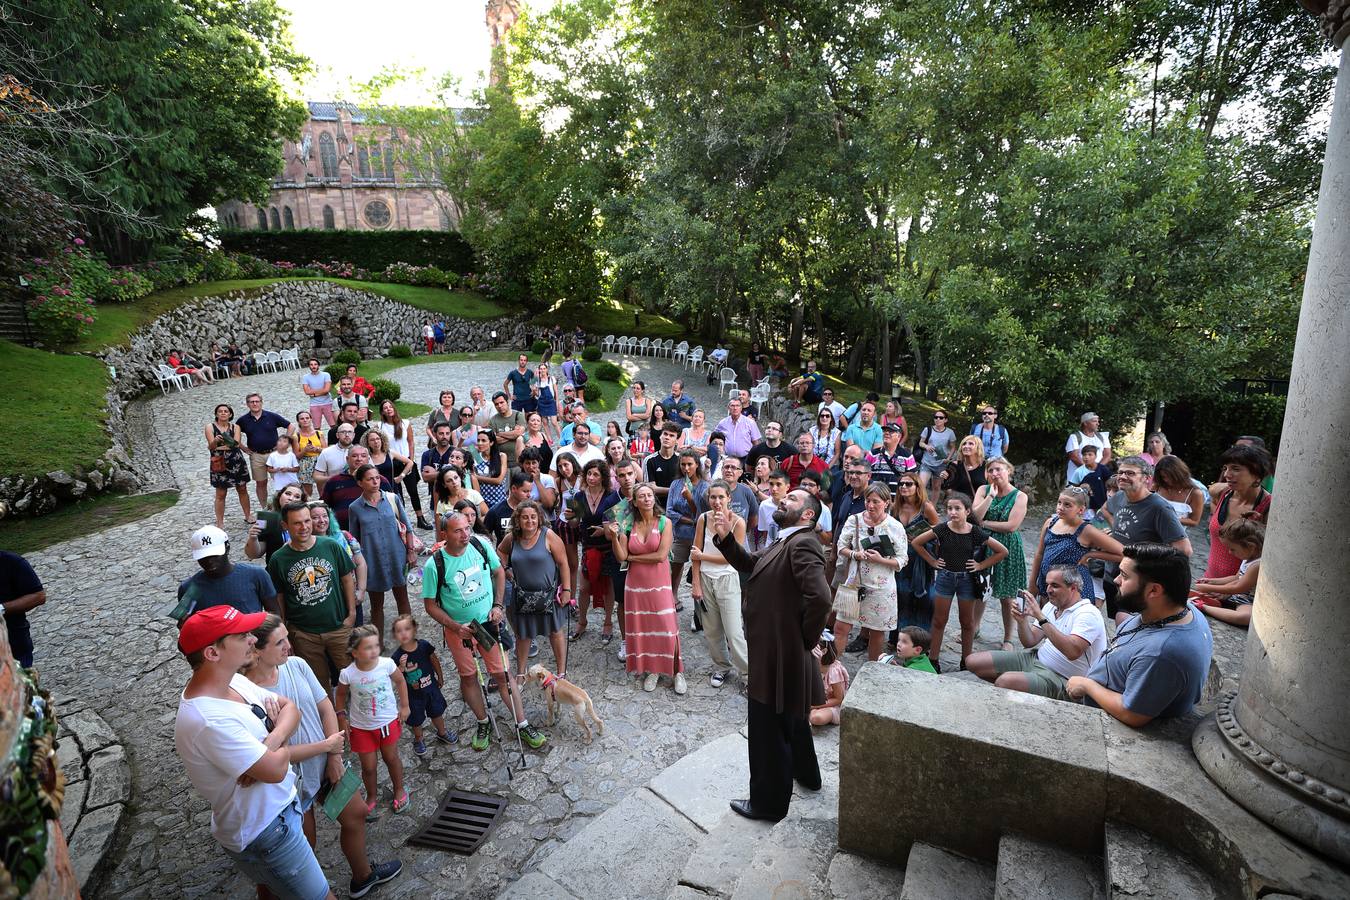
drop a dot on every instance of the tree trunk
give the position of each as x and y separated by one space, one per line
853 367
882 367
822 348
794 347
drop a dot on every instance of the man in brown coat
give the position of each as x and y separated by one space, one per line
787 603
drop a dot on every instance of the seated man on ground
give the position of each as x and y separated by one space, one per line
809 387
1159 660
1064 639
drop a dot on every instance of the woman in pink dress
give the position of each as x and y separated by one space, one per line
651 630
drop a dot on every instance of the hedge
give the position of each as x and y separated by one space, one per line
608 371
385 389
373 250
591 353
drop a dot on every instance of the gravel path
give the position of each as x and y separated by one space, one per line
105 634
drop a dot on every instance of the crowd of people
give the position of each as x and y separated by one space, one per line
542 524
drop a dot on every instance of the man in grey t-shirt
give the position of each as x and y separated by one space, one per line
1137 515
318 387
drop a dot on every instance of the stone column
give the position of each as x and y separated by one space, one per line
1281 745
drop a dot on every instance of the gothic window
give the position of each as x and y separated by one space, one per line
328 221
389 163
376 160
328 155
377 214
362 161
262 220
290 219
276 219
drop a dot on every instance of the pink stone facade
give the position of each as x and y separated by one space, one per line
340 175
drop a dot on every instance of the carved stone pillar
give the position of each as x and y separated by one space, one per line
1281 745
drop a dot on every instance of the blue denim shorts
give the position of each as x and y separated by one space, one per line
282 859
961 585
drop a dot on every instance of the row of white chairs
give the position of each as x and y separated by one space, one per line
639 346
263 361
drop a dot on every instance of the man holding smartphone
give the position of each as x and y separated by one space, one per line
1064 639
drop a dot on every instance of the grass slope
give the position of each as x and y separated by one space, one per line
78 519
116 321
53 409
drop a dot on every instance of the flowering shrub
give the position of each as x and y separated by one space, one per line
217 266
127 285
89 273
60 316
253 267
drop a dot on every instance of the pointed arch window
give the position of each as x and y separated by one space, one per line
363 161
376 160
290 219
262 220
328 155
276 219
389 163
329 222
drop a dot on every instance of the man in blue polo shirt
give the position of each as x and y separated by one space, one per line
260 428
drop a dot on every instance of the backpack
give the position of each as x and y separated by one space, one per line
439 559
579 376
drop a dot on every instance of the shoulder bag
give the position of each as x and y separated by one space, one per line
848 596
411 542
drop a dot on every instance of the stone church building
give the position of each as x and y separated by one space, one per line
342 173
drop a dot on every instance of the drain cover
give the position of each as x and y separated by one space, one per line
462 823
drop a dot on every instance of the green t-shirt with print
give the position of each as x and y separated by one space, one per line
468 590
310 581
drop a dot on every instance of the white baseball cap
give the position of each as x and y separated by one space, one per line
208 541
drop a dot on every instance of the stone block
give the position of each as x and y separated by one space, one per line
700 784
791 863
109 778
72 805
722 855
989 755
1142 868
1031 870
535 886
94 733
935 874
853 877
91 843
614 856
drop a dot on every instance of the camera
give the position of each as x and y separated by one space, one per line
881 543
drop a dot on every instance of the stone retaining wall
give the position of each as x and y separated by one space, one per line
288 314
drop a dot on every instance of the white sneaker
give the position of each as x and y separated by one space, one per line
649 683
681 687
623 651
718 678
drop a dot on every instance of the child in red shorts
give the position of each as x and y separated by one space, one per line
373 694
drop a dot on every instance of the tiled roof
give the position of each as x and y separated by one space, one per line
327 111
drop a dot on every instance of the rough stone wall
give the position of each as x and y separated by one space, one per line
282 316
292 314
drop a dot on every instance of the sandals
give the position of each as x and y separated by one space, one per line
606 637
401 803
576 636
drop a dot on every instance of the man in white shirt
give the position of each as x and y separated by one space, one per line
232 737
1085 435
1063 640
333 460
581 446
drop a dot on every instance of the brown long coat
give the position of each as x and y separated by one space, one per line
787 601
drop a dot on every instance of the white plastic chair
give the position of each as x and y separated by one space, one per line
643 345
760 392
608 343
259 362
274 360
626 344
669 347
728 377
695 358
681 351
290 359
167 376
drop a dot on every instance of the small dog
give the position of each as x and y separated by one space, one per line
558 690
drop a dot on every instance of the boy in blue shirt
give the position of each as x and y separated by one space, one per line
421 668
1092 475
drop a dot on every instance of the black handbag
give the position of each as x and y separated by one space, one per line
532 603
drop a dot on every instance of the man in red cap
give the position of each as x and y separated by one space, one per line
232 737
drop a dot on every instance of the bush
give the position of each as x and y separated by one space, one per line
591 353
336 371
373 250
127 285
253 267
539 346
169 273
89 273
219 266
400 351
593 390
607 371
384 390
347 357
60 317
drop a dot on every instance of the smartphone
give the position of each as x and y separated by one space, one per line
271 526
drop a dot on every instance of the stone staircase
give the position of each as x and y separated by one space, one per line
676 838
13 323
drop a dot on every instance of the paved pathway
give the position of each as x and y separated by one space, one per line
105 637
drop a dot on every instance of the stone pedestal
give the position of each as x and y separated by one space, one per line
1282 745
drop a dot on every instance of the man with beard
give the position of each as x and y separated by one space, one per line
787 603
1158 662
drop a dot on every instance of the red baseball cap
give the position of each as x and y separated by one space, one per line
204 628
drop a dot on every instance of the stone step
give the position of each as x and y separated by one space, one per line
936 874
1031 870
1140 867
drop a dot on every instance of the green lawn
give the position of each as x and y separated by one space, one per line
116 321
79 519
376 368
54 410
610 317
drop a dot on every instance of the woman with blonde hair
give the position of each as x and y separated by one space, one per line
965 473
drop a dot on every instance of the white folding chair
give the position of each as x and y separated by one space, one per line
728 377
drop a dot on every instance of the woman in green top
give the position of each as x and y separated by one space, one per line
999 508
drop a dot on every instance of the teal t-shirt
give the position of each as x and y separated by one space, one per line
866 438
468 592
310 581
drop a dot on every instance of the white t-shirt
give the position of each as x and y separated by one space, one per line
219 740
1077 441
287 460
547 481
332 461
583 456
764 522
398 438
1083 620
373 703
